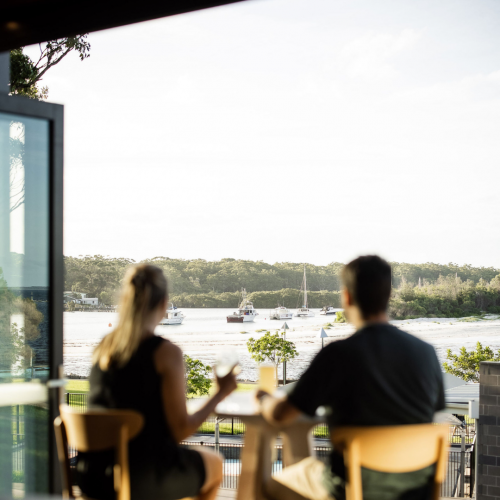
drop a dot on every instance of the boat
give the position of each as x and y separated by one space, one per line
172 316
304 311
281 312
327 310
246 312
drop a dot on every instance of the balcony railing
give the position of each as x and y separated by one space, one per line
228 426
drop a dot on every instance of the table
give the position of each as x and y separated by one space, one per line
258 451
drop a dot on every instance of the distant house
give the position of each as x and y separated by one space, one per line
88 301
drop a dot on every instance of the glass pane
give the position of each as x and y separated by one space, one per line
24 306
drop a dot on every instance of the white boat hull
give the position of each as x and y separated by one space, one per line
304 315
241 318
282 316
171 321
328 313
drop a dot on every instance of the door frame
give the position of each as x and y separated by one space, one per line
54 114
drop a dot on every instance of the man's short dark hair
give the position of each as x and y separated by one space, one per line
368 281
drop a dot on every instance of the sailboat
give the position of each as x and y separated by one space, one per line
304 311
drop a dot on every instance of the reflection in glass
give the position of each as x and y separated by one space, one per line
24 296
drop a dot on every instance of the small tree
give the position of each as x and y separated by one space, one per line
273 348
198 380
466 364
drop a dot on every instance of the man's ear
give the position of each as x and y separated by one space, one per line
346 298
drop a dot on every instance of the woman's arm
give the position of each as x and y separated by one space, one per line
169 364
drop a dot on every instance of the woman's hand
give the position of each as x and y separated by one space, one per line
226 384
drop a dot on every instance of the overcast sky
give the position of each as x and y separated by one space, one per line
288 130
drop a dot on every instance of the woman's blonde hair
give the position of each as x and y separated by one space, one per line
144 289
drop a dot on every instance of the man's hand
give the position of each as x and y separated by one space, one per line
260 394
277 411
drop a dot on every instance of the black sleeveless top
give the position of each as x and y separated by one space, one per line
137 386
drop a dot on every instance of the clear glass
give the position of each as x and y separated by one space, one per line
227 361
24 305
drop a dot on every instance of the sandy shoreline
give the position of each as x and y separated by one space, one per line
442 333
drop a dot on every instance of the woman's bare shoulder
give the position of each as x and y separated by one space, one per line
168 356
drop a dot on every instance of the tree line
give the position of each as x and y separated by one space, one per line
217 282
447 297
288 297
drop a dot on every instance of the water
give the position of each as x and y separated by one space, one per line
205 334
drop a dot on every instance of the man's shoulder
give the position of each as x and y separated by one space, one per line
391 333
377 332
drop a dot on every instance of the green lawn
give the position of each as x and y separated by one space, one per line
79 386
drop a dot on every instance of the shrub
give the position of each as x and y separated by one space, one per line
340 317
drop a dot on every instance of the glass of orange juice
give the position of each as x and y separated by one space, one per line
267 378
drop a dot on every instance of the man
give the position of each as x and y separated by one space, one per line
380 375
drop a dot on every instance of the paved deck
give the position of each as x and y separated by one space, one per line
225 494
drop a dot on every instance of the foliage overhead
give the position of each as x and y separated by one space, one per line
466 364
25 74
198 380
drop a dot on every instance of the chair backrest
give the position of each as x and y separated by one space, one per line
97 430
396 449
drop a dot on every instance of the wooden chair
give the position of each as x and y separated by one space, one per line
404 448
97 430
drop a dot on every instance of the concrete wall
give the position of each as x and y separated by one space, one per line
488 433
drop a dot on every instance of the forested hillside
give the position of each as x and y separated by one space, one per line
288 297
434 288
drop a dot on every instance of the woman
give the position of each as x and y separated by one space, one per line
134 369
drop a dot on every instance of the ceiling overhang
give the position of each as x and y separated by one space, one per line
25 22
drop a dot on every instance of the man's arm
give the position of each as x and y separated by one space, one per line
305 396
278 411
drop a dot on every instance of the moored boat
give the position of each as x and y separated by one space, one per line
246 312
327 310
281 312
172 316
304 311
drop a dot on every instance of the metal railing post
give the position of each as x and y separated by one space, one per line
217 436
462 465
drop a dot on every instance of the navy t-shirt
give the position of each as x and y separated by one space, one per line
378 376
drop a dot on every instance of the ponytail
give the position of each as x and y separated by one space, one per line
144 288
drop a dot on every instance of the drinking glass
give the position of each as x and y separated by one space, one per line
267 378
226 361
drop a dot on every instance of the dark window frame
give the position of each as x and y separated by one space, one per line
54 114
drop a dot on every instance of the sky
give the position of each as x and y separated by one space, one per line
288 130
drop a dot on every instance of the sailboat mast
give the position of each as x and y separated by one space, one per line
305 287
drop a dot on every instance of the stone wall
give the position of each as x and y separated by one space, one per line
488 433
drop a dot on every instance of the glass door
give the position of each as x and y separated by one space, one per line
30 293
